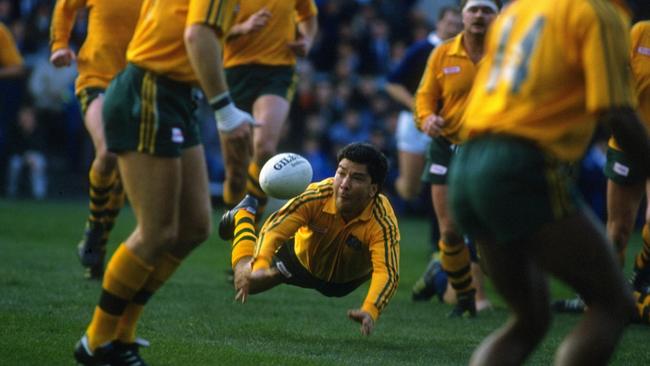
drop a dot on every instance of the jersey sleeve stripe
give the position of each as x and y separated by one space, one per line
389 229
308 196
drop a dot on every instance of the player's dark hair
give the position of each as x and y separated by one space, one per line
370 156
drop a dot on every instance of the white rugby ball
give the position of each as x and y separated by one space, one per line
285 175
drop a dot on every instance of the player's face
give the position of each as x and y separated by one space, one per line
353 188
477 19
450 25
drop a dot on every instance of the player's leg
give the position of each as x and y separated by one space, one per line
270 112
236 152
411 147
102 177
524 288
193 229
454 254
623 202
641 274
153 185
408 183
478 277
576 251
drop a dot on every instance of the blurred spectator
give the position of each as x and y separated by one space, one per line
38 23
375 49
11 82
348 130
27 151
52 92
319 158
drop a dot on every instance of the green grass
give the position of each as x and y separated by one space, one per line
45 306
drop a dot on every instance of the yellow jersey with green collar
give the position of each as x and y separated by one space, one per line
445 86
334 250
268 46
158 42
9 54
550 67
110 27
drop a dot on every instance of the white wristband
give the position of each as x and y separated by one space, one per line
227 115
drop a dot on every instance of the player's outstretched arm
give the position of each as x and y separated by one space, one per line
362 317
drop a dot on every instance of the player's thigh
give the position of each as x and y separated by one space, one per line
411 166
92 101
153 185
270 112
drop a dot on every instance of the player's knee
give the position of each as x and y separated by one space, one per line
106 160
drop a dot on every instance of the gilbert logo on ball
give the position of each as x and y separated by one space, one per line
285 175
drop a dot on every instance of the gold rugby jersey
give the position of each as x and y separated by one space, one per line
158 44
550 68
110 27
333 250
445 86
268 46
9 55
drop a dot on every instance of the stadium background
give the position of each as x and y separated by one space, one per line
339 98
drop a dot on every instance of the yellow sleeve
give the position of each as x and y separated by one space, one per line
218 14
429 91
640 61
9 55
279 227
384 254
305 9
605 58
63 18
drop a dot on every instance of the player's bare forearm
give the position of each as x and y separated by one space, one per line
253 23
204 51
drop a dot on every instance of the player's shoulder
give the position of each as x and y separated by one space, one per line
323 188
641 28
383 208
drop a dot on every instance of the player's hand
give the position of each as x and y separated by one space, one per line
301 46
433 125
256 21
230 119
364 318
242 272
62 57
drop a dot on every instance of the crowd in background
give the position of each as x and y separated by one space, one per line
339 97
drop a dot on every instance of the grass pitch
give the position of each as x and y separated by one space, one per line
45 305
